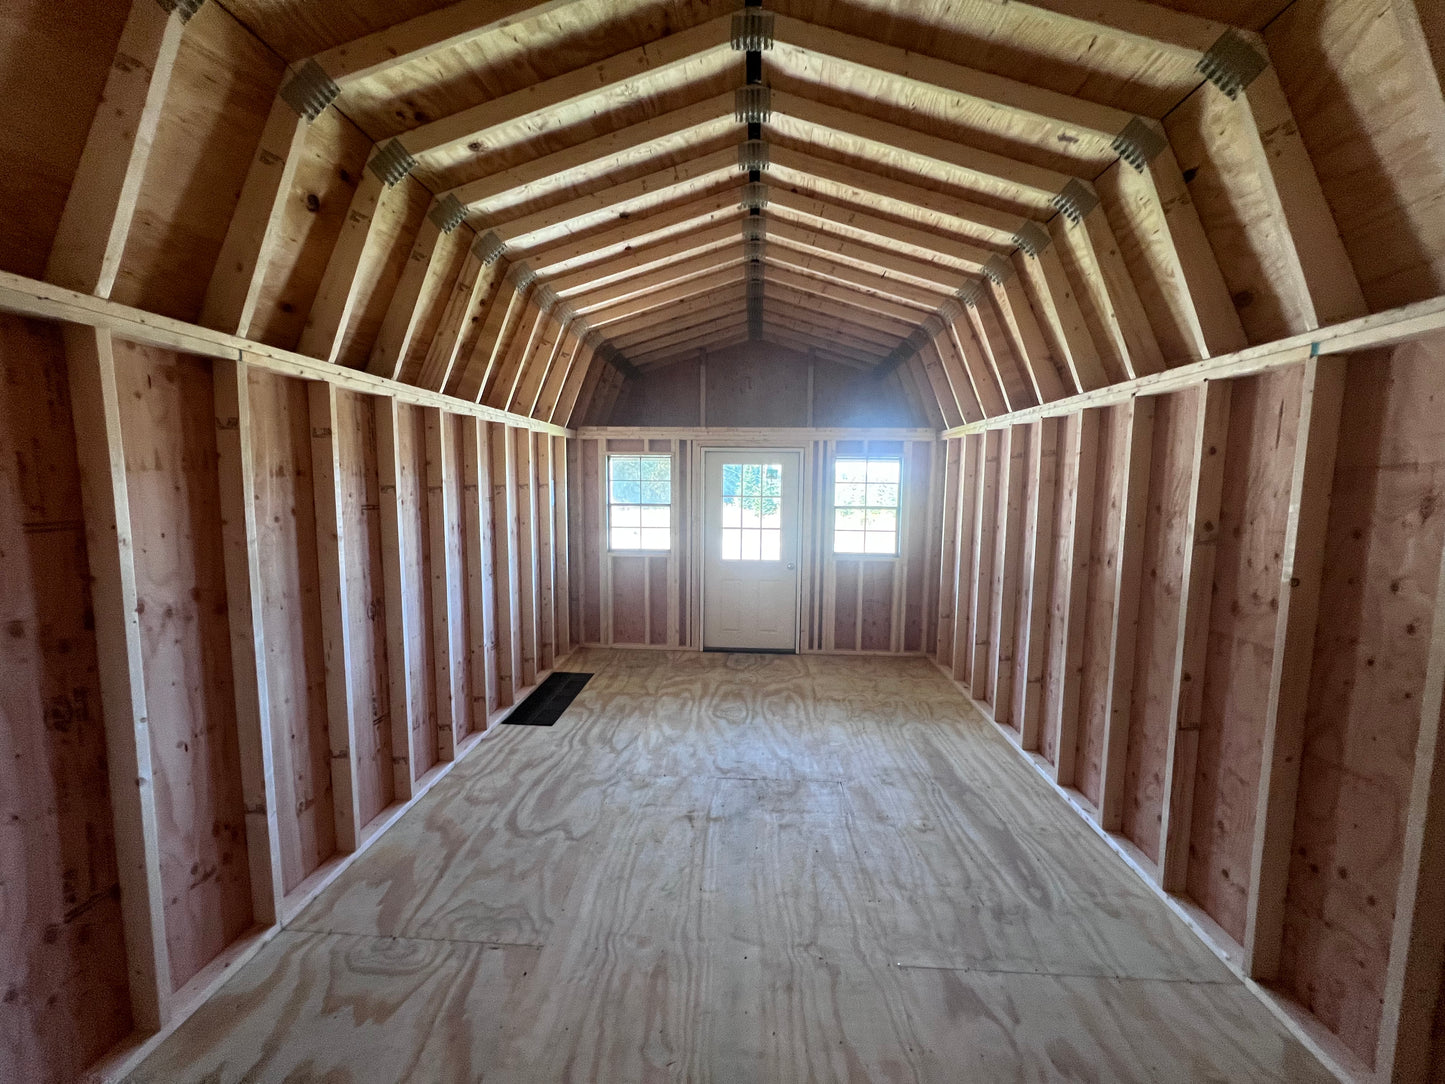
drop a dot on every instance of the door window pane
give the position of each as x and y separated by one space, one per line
639 502
752 512
866 494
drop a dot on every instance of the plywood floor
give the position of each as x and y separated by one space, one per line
738 868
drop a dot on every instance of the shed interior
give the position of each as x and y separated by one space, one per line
323 323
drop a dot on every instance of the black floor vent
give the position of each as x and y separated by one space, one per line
549 700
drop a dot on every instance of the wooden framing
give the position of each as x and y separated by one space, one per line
235 289
505 568
481 570
945 251
159 1003
523 529
1186 679
1035 574
1071 587
1125 588
402 568
1111 477
1417 948
988 224
39 300
335 304
1301 568
589 244
821 267
335 616
419 287
101 453
1007 539
90 239
236 470
514 344
447 606
618 73
586 155
446 363
655 258
614 200
1036 183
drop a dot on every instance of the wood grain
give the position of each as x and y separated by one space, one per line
341 993
415 529
1370 651
47 120
295 665
171 474
216 105
1368 115
734 867
332 159
1258 456
361 513
65 997
1105 551
1165 550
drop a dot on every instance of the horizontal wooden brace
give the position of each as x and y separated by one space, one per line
1379 329
45 301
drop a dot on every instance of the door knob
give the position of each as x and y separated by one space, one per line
790 565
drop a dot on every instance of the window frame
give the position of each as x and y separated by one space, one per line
897 510
724 528
609 504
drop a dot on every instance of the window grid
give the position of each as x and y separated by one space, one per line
639 502
752 512
866 493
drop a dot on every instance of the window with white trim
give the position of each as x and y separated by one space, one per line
639 502
752 512
866 495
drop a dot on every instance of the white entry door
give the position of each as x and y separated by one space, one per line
750 550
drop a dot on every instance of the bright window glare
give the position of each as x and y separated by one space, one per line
866 496
639 502
752 512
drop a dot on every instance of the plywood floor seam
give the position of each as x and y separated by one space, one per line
413 937
738 868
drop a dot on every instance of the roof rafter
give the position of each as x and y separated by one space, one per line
822 344
843 305
829 329
997 225
1072 117
615 198
589 155
425 35
730 299
618 75
833 212
607 315
603 244
690 352
1030 181
821 267
726 321
667 275
866 255
847 294
643 260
